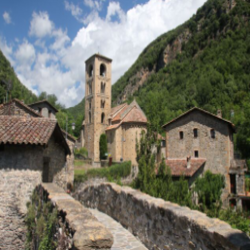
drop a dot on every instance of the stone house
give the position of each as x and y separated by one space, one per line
197 141
44 108
122 124
34 144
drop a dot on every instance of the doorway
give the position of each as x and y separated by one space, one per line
45 174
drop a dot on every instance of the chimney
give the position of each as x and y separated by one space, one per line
189 162
219 113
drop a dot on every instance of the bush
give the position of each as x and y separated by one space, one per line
103 146
81 153
115 172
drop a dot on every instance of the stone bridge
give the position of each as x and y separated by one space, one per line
160 224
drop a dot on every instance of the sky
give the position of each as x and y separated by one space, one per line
48 41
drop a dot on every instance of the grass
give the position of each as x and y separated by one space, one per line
115 172
78 163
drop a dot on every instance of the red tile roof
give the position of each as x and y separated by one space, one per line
22 130
203 111
179 166
24 106
126 114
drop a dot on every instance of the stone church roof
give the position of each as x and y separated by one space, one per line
21 130
179 166
126 114
203 111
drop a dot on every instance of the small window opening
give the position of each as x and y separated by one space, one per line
212 133
103 85
195 133
90 70
89 104
102 118
39 111
89 117
103 70
233 183
196 154
181 135
50 113
102 104
90 88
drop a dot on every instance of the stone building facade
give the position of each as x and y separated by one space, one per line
198 141
44 108
122 124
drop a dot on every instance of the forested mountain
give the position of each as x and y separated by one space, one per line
19 91
205 62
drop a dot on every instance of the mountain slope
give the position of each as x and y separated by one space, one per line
19 90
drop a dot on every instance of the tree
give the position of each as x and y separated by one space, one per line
103 145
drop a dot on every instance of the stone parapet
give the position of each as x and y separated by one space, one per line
160 224
88 232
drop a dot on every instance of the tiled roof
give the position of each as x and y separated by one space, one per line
116 109
135 115
127 114
24 106
22 130
203 111
43 101
179 166
69 136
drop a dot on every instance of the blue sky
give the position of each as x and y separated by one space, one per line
47 42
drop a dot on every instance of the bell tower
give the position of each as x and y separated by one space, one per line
97 102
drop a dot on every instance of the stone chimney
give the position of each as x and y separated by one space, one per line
189 162
219 113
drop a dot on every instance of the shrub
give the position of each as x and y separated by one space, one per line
81 153
103 146
115 172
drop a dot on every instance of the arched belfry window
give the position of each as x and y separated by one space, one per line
102 104
90 71
103 85
89 117
102 118
102 70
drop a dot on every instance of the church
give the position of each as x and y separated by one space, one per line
122 124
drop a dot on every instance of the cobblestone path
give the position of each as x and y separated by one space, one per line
123 239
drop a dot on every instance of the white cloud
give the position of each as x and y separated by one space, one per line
40 25
94 4
6 17
75 10
59 63
7 50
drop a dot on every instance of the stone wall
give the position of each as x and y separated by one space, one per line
160 224
87 232
16 186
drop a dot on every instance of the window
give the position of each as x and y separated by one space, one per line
102 118
89 104
102 104
181 135
212 133
90 71
195 133
50 113
103 85
196 154
39 111
89 117
102 70
90 88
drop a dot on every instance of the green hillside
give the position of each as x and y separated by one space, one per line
19 91
211 70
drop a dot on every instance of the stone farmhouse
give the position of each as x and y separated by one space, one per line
197 141
122 124
30 141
